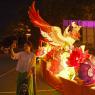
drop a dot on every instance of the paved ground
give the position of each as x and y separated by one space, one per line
8 79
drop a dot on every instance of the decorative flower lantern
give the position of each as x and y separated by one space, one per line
86 72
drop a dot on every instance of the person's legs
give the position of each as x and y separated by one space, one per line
20 79
30 85
18 83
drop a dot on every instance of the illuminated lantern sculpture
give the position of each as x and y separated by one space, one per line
60 58
86 72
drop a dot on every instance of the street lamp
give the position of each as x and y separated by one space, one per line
27 35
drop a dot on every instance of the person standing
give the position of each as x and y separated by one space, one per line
26 62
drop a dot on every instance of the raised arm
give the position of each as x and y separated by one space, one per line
13 54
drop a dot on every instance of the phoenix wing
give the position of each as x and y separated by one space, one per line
52 33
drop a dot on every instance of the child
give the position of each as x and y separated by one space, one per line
26 61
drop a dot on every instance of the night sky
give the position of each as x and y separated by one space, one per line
52 11
11 11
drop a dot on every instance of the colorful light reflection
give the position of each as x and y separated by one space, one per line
83 23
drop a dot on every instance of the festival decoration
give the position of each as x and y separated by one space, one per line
62 58
52 33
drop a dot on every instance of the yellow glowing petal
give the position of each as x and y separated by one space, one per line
93 87
82 47
66 54
64 57
70 40
67 73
